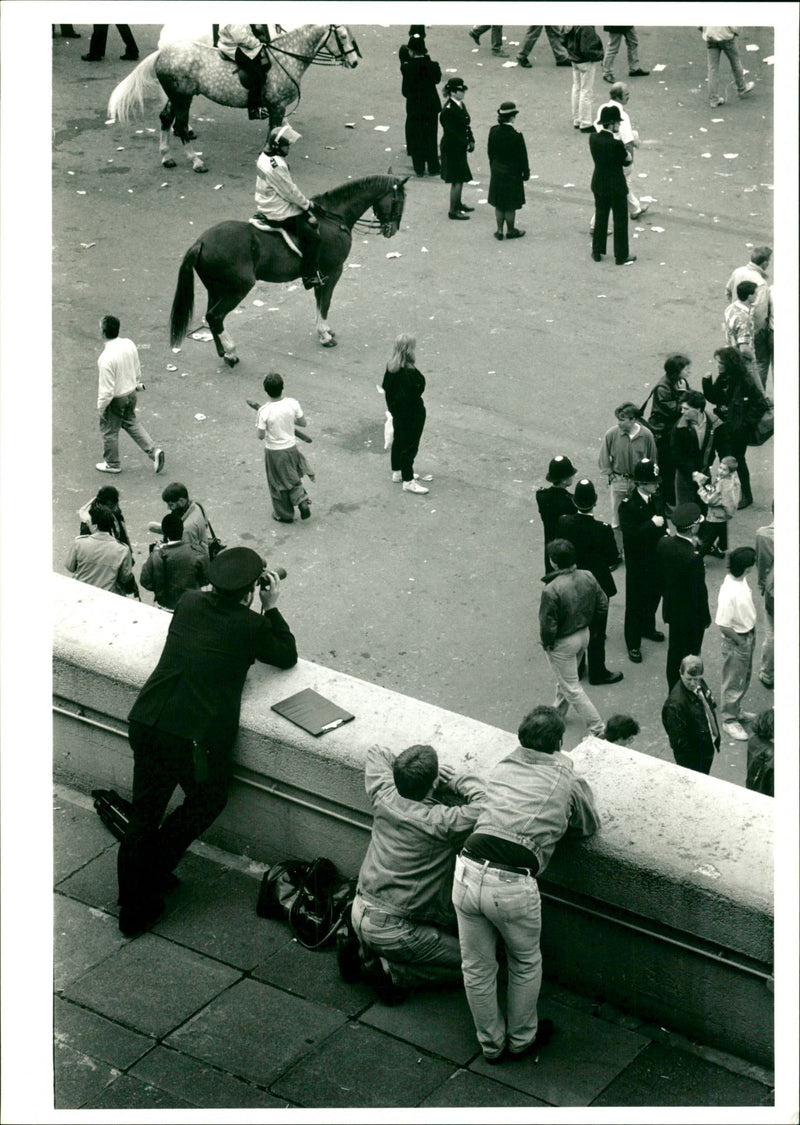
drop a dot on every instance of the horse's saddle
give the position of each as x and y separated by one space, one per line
260 223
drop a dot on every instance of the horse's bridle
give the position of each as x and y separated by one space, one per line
395 212
324 56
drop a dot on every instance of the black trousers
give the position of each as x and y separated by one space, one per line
710 533
666 470
641 602
421 141
685 639
596 650
255 78
699 757
97 44
151 849
617 205
405 444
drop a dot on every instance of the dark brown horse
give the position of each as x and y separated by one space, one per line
231 257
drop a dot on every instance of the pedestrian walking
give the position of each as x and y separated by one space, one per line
404 386
643 523
284 464
120 377
736 618
739 403
421 76
689 716
719 41
508 163
556 500
457 141
497 38
585 50
534 798
664 413
683 589
571 604
185 720
609 187
615 37
761 308
97 43
555 36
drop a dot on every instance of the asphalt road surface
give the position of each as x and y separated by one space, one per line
526 348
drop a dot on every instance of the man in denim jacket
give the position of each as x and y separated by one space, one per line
533 799
402 911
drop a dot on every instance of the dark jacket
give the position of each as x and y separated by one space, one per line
195 690
583 44
665 410
687 455
571 600
739 401
552 503
456 132
421 76
761 765
171 568
682 576
684 719
610 156
594 545
404 390
507 152
639 534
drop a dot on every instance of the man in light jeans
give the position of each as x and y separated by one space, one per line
719 39
119 378
572 604
623 447
765 565
736 617
533 799
585 51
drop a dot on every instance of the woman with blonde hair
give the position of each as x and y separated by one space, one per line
403 386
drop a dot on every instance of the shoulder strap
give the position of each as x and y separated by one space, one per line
205 517
644 404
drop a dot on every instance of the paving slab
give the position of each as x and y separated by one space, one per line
218 917
255 1031
463 1088
79 834
361 1067
436 1020
200 1084
95 883
78 1079
96 1036
314 975
83 936
151 985
585 1055
129 1093
661 1075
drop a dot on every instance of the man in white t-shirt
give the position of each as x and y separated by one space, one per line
619 95
284 463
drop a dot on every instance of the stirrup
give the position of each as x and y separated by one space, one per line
314 281
258 113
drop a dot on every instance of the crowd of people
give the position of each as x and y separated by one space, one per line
453 860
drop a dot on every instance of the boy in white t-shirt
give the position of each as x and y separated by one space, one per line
284 463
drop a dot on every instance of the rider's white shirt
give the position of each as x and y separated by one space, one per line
277 196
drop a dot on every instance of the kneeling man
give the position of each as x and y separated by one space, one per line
402 913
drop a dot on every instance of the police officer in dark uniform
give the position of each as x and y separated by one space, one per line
184 723
642 520
595 551
421 75
683 586
555 501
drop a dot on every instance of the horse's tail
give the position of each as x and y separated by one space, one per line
183 301
127 99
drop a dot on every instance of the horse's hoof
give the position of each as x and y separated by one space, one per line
231 360
328 343
168 163
199 168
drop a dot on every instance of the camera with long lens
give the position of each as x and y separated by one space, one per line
264 581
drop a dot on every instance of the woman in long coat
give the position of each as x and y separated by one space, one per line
508 162
457 140
421 75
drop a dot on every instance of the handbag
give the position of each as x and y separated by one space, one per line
215 545
310 895
763 429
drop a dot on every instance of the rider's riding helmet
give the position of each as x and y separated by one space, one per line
282 134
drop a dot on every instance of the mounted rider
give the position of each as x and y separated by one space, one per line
246 45
280 202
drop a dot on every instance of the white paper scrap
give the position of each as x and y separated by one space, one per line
769 60
217 187
706 155
717 120
354 265
423 249
752 47
88 245
258 304
393 254
569 185
730 155
368 117
511 62
658 230
175 351
381 128
171 367
349 124
660 66
200 417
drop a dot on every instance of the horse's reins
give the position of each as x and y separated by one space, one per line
321 57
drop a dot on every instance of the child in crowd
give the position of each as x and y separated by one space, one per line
722 497
284 463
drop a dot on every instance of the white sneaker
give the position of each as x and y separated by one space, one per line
397 476
750 86
104 467
412 486
734 729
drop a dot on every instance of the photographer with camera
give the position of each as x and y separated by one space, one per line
184 722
